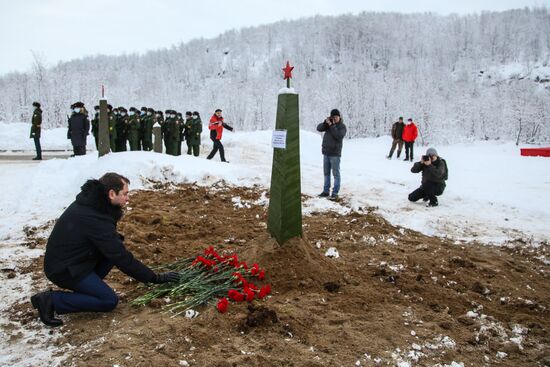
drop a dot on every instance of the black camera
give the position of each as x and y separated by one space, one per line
425 158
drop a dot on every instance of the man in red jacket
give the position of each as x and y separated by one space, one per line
410 132
216 127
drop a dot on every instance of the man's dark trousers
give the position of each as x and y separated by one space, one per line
409 146
91 294
38 148
217 146
428 190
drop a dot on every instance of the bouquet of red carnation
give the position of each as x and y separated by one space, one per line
207 278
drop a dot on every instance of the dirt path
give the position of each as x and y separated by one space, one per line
393 296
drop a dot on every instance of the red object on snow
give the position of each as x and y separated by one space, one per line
535 152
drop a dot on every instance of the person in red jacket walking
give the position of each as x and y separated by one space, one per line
410 132
216 127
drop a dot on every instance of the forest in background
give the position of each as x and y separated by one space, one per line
460 77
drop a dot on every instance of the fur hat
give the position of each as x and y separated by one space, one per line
431 151
133 109
188 113
36 104
78 104
152 110
334 112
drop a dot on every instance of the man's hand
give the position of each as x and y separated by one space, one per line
167 277
328 121
427 163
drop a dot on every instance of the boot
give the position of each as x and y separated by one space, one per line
43 303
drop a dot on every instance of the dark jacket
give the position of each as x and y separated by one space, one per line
397 130
84 235
79 126
36 123
333 138
436 172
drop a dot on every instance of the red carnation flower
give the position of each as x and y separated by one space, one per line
264 291
249 294
235 295
261 275
255 269
222 305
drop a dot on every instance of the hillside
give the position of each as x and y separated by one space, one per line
461 78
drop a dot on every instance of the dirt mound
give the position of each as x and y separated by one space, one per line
392 295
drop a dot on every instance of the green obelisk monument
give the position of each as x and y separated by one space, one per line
285 205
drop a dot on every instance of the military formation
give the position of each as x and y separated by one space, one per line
133 128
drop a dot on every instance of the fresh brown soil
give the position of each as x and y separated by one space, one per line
393 295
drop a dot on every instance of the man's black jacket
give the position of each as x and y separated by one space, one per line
333 138
86 234
436 172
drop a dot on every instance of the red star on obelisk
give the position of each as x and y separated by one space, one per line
288 73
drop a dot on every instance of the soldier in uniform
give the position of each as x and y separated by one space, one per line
36 122
79 127
121 130
181 126
112 128
142 121
95 126
133 129
193 129
148 132
164 131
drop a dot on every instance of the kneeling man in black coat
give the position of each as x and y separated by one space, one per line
84 246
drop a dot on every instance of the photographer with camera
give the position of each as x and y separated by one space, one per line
434 174
334 130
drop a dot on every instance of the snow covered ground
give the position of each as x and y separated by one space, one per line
493 194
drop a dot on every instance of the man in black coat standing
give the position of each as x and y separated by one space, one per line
82 249
334 130
79 127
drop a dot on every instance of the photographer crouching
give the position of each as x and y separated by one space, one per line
434 174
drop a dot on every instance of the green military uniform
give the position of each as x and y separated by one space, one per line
133 130
193 130
112 131
121 130
181 126
164 125
148 130
36 123
172 133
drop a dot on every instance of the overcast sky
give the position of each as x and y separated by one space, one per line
60 30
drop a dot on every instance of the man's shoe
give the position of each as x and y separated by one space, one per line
430 204
323 194
43 303
333 197
37 159
406 159
389 157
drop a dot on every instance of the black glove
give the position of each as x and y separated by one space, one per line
167 277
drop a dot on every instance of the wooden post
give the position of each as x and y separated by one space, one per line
157 137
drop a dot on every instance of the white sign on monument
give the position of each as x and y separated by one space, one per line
278 140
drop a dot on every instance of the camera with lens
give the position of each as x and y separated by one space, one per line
425 158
